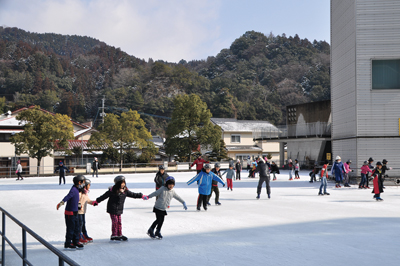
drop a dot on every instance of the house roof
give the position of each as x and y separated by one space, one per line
242 148
234 125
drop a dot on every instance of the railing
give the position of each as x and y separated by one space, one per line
317 129
24 255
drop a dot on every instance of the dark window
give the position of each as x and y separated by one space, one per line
385 74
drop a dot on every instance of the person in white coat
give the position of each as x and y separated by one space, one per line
19 170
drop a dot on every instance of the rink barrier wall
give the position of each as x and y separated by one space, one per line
62 258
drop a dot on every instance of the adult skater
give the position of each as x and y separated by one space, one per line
199 162
238 167
95 167
263 169
205 178
338 170
19 170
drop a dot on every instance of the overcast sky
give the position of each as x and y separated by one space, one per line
169 30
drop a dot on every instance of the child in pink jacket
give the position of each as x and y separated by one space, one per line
364 170
346 173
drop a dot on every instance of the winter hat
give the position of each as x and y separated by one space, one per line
161 167
348 161
290 160
384 161
217 165
338 158
169 180
18 161
60 163
378 163
370 159
365 162
207 166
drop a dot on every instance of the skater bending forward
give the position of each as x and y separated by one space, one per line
115 206
205 178
164 194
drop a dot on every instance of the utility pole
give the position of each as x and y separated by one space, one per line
103 114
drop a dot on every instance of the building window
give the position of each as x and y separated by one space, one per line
385 74
235 138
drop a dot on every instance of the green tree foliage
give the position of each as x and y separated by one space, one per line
3 105
219 153
190 127
43 133
122 133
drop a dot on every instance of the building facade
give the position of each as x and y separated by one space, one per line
365 80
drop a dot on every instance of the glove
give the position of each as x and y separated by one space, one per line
390 168
184 206
60 204
95 203
145 197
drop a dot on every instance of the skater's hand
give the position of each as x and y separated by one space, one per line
60 204
184 206
145 197
95 203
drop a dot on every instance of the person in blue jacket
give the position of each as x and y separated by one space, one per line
61 168
205 178
71 214
338 170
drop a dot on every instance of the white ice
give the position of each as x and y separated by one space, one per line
294 227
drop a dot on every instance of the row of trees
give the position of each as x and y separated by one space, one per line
121 137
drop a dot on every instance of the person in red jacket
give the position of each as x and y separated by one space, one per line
324 177
199 163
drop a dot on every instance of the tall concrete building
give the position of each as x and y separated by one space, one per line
365 81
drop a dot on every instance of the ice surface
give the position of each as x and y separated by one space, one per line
294 227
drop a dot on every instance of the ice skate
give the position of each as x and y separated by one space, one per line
150 233
158 235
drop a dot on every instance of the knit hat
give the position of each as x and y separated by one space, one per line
170 180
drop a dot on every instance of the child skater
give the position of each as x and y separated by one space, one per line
19 170
230 175
314 172
376 174
115 206
71 214
370 161
164 195
205 178
274 170
160 177
346 173
364 170
61 168
324 177
291 168
238 167
296 169
83 202
214 186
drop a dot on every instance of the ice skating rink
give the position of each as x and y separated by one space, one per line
294 227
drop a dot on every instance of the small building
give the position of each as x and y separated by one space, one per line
238 136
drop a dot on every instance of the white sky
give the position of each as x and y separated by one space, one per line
169 30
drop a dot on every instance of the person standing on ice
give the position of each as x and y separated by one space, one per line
115 206
214 186
61 169
376 174
230 175
199 162
164 196
291 168
364 170
370 161
204 179
324 177
19 170
384 169
346 173
71 214
296 169
274 170
83 202
263 169
238 167
338 170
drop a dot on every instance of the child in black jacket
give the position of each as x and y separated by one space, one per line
115 206
61 168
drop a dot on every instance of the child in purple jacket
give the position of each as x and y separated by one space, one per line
71 214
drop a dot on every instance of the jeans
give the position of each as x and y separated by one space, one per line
82 224
95 171
323 184
72 234
363 180
290 174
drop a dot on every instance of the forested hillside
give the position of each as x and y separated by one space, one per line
254 79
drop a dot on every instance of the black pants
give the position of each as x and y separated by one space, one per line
62 175
202 199
237 175
19 176
160 215
216 191
260 183
72 223
366 184
82 224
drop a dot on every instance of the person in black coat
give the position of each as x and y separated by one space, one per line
274 170
95 167
115 206
263 169
160 177
61 169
